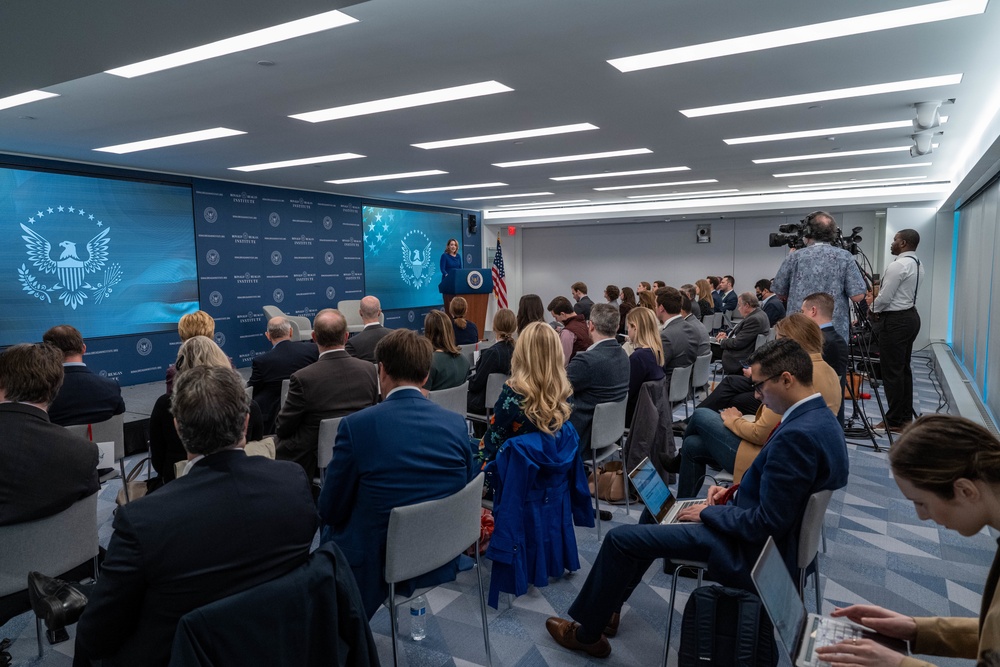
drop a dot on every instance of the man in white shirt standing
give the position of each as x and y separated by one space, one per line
898 325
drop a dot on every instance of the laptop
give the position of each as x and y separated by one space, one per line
656 495
800 633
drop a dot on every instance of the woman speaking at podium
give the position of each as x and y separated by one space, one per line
450 260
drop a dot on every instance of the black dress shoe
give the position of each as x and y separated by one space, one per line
605 515
56 602
564 632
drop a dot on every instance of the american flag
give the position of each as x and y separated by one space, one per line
499 285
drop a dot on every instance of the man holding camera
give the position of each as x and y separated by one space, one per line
821 267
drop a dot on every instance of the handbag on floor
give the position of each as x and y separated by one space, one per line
610 482
137 488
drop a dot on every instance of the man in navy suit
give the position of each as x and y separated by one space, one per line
727 300
84 398
769 301
272 368
232 522
403 451
805 454
681 340
599 374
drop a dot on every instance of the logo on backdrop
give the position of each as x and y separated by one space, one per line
331 293
77 278
474 279
275 258
417 267
274 219
144 346
327 222
279 295
220 338
410 316
211 215
212 257
468 258
328 258
215 298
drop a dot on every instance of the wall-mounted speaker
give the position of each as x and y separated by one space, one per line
472 223
704 234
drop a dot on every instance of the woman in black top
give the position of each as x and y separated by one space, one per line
494 359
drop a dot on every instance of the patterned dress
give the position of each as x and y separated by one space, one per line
508 420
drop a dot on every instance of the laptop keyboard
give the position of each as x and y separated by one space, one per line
827 631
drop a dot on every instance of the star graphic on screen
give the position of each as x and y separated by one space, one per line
80 211
90 217
39 215
378 237
31 220
100 224
50 209
364 238
371 227
385 228
60 209
71 209
378 217
371 247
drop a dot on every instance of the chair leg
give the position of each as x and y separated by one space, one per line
121 465
597 494
822 533
393 622
670 617
482 609
819 601
38 634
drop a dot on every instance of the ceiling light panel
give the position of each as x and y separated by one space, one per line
250 40
826 132
547 203
863 181
853 169
523 194
857 25
612 174
298 163
172 140
507 136
405 101
826 95
702 193
388 177
656 185
24 98
574 158
471 186
823 156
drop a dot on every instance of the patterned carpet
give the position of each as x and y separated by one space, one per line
877 551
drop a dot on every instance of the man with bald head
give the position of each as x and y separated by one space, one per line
335 386
274 367
362 344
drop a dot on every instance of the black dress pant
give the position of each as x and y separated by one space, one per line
734 391
897 331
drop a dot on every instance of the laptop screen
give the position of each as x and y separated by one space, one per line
654 493
777 591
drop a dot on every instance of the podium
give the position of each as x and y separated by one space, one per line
475 286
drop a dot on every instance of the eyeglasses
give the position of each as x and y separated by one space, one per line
757 386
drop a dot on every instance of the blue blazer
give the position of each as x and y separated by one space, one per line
403 451
726 301
805 455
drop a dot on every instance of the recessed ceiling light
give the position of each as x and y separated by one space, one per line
853 169
823 156
507 136
610 174
297 163
24 98
705 193
470 186
860 181
405 101
827 132
839 94
523 194
546 203
250 40
172 140
388 177
656 185
574 158
856 25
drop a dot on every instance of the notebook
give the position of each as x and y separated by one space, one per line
656 495
800 633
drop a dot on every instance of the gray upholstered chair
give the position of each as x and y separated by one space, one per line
606 433
454 399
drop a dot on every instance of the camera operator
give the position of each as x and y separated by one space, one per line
821 267
895 310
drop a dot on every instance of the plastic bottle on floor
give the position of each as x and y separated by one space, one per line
418 618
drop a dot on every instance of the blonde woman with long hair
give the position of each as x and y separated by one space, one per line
646 360
536 397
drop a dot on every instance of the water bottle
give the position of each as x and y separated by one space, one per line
418 618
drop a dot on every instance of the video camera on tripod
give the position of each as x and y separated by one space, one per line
793 235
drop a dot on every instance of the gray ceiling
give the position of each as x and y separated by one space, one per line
553 54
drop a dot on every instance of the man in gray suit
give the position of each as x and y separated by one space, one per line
335 386
679 337
741 341
600 373
704 343
362 344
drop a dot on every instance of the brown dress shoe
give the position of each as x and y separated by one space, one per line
564 632
611 629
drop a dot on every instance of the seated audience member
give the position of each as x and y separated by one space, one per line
362 344
643 286
494 359
679 337
818 307
403 451
705 301
574 336
465 331
658 284
198 323
232 522
646 361
804 455
529 309
728 441
956 486
43 467
599 374
647 299
271 369
335 386
740 342
84 398
583 302
769 301
704 342
627 304
727 295
691 293
449 367
713 282
165 446
611 294
536 397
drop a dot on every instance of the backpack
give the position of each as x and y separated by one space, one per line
726 627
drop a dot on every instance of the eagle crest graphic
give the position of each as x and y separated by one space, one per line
71 271
414 261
